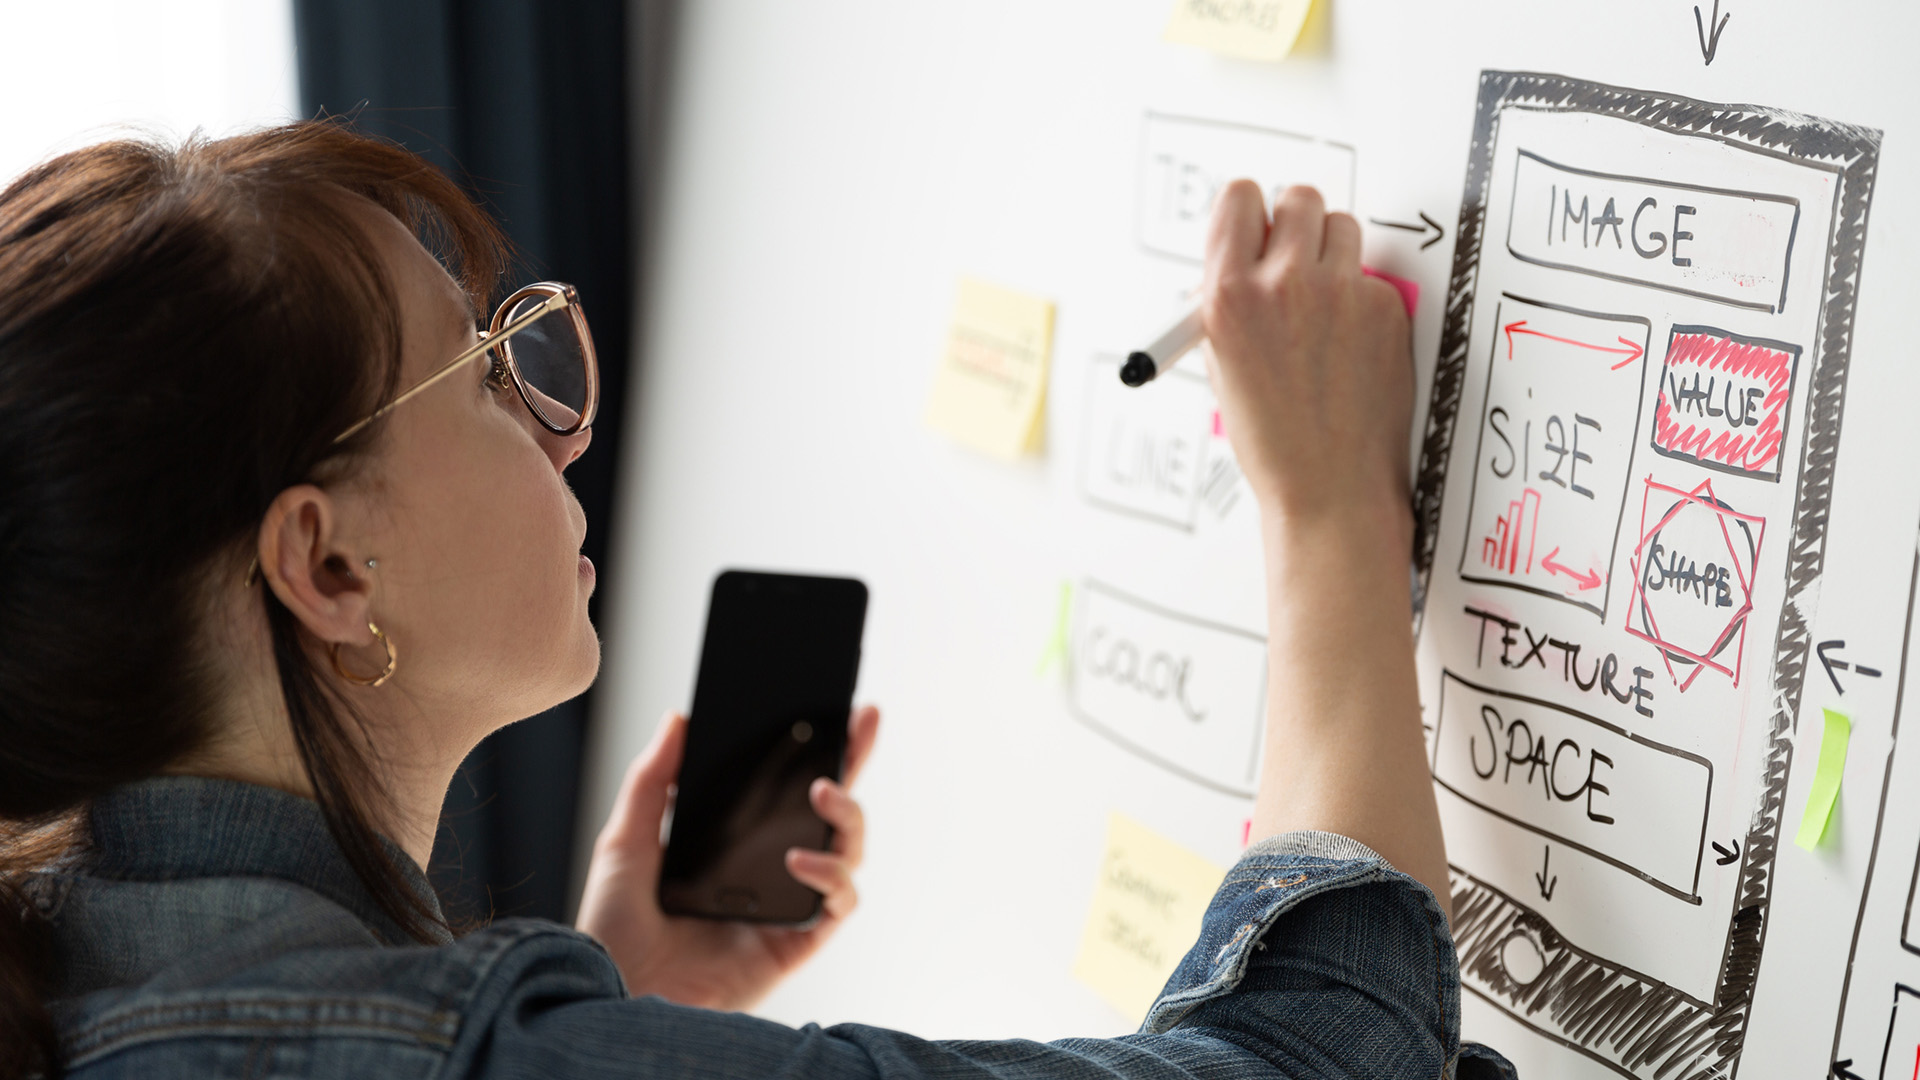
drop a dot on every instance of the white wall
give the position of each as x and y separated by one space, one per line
834 166
72 71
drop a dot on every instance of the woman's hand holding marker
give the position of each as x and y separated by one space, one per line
1310 360
1313 369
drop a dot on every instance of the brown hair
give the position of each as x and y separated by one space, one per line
183 331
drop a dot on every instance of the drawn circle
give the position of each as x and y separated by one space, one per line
1728 636
1522 958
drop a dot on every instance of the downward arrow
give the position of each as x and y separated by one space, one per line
1710 45
1726 857
1540 877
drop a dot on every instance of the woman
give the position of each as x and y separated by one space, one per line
284 539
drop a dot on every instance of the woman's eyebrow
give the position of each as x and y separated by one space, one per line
468 316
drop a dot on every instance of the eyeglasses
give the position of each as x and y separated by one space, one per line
540 343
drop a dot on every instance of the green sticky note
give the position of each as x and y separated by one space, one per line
1826 780
1057 643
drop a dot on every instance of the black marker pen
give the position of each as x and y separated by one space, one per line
1145 365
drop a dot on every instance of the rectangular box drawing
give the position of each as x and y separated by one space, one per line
1185 161
1724 401
1909 933
1901 1058
1632 803
1555 451
1729 246
1147 453
1184 693
1631 980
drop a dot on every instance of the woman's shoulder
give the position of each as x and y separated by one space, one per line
230 977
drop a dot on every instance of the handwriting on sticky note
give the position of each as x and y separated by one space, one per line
1244 29
1146 911
990 390
1826 779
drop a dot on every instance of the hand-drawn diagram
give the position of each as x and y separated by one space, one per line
1184 693
1184 162
1556 441
1865 1036
1570 777
1636 272
1901 1060
1723 401
1148 454
1693 575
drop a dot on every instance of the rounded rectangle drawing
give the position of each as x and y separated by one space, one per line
1628 801
1728 246
1184 693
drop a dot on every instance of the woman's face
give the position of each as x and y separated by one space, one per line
479 581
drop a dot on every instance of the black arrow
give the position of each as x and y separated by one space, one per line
1438 232
1841 1069
1710 45
1726 857
1546 887
1832 665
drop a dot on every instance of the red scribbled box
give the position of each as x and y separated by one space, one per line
1723 401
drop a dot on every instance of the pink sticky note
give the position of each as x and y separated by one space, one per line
1219 429
1409 291
1246 831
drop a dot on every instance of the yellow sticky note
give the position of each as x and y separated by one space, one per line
1145 915
1826 779
991 390
1245 29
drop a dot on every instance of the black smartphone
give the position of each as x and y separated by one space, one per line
769 716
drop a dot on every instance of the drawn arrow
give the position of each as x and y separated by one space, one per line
1429 223
1710 45
1844 1071
1632 351
1832 665
1726 857
1546 887
1588 580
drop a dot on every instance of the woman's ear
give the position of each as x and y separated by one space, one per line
323 585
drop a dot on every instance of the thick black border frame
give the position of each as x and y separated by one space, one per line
1631 1023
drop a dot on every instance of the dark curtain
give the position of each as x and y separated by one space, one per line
527 105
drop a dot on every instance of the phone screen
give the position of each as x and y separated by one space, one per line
769 716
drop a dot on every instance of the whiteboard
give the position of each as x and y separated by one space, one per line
834 168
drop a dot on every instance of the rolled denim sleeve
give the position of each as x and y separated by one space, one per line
1315 959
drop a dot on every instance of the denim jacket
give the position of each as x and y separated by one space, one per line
212 929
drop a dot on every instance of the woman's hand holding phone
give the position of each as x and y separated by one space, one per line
705 962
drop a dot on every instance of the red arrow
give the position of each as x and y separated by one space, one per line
1632 352
1588 580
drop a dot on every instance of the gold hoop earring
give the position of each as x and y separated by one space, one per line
393 661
